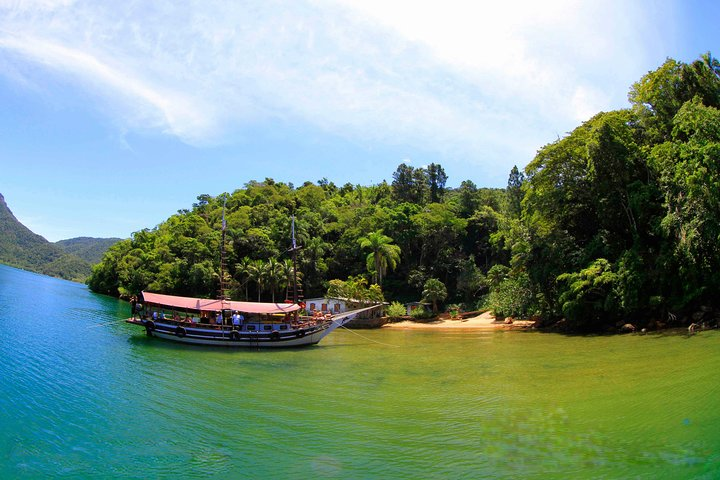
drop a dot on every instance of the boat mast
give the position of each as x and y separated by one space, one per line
293 250
223 286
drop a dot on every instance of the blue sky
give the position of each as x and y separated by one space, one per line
116 115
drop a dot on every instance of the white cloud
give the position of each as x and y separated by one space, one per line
482 81
173 108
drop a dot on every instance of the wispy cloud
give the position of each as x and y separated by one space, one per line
457 77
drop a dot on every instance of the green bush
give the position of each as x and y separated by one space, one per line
396 310
512 297
421 313
454 310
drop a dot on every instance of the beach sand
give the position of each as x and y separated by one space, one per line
483 321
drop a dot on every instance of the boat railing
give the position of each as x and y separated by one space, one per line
304 322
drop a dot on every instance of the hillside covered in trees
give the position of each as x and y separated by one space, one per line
619 221
69 259
399 235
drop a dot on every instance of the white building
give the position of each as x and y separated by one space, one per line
325 304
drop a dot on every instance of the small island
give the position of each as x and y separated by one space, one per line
612 227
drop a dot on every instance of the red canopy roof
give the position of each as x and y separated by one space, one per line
207 304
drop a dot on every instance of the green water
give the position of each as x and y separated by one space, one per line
84 395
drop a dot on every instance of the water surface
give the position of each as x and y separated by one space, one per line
84 395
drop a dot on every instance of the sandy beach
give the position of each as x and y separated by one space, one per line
483 321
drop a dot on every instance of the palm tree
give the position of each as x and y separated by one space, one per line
433 291
258 273
383 254
274 273
711 63
288 274
243 269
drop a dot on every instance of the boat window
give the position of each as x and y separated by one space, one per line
267 327
251 328
283 327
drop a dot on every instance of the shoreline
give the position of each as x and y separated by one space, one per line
484 321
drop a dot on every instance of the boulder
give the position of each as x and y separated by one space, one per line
627 328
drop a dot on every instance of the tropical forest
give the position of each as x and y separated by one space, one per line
618 221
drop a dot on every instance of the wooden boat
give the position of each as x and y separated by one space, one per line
230 323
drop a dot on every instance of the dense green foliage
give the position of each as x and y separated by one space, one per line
68 259
372 232
434 291
617 221
356 291
396 310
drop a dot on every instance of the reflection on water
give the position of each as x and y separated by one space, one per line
85 395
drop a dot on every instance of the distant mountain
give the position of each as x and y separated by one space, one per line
88 248
69 259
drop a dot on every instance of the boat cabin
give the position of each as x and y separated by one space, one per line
220 314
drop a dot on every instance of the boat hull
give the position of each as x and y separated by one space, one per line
232 338
228 337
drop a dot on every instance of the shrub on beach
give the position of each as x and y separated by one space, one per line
454 310
421 313
396 310
512 297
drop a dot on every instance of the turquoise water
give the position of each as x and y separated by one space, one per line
84 395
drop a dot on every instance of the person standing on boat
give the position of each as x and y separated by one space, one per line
236 319
219 318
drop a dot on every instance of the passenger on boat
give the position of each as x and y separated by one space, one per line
162 315
236 319
219 318
155 316
188 319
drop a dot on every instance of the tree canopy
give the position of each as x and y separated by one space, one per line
616 221
396 236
